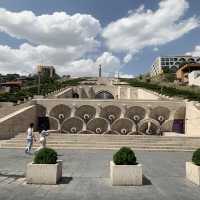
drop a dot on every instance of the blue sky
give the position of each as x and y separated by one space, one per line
123 36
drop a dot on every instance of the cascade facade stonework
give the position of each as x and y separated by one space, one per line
106 109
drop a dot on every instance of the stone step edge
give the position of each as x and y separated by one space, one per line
102 146
104 143
94 148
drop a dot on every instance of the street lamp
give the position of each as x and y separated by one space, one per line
39 80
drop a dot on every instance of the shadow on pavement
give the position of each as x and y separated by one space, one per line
14 176
65 180
146 181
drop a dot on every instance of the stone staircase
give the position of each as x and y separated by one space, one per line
4 111
70 141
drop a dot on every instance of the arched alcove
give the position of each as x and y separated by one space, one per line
104 95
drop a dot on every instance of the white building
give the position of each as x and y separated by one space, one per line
194 78
170 62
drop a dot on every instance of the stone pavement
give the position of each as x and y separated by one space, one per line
86 176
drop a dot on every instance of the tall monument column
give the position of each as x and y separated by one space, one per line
99 71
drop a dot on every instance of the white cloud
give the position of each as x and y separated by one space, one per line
108 62
56 30
88 67
122 75
69 41
128 58
145 28
155 49
83 67
195 52
26 57
56 39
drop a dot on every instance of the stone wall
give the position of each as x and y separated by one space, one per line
17 122
67 93
192 120
118 115
146 95
118 92
49 104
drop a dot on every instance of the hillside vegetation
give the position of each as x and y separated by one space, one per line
166 88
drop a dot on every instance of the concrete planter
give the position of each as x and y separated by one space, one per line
193 172
48 174
126 174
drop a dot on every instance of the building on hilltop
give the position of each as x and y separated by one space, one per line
10 86
194 78
172 63
45 70
182 74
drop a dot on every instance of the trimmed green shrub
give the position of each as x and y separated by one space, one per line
45 156
125 156
196 157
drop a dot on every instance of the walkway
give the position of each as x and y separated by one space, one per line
86 175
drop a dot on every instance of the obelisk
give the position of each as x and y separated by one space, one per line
99 71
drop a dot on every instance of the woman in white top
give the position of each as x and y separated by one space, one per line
43 135
29 138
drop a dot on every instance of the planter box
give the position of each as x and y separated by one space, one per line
193 172
126 174
48 174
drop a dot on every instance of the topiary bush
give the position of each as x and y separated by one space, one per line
45 156
196 157
125 156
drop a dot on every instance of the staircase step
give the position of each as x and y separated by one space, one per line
113 143
104 145
78 141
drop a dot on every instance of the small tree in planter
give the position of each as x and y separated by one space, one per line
45 168
124 169
193 168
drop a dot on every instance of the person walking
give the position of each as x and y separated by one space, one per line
43 134
29 138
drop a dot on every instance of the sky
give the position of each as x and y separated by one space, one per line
76 36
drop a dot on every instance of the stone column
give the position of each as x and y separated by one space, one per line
74 107
123 110
98 110
148 111
119 92
128 93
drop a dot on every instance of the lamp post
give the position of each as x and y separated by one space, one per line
39 80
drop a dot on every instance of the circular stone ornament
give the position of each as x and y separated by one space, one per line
123 131
73 130
111 117
86 116
136 118
98 131
61 116
161 118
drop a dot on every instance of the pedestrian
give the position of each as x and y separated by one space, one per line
30 137
43 134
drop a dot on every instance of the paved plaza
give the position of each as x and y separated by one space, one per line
86 176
